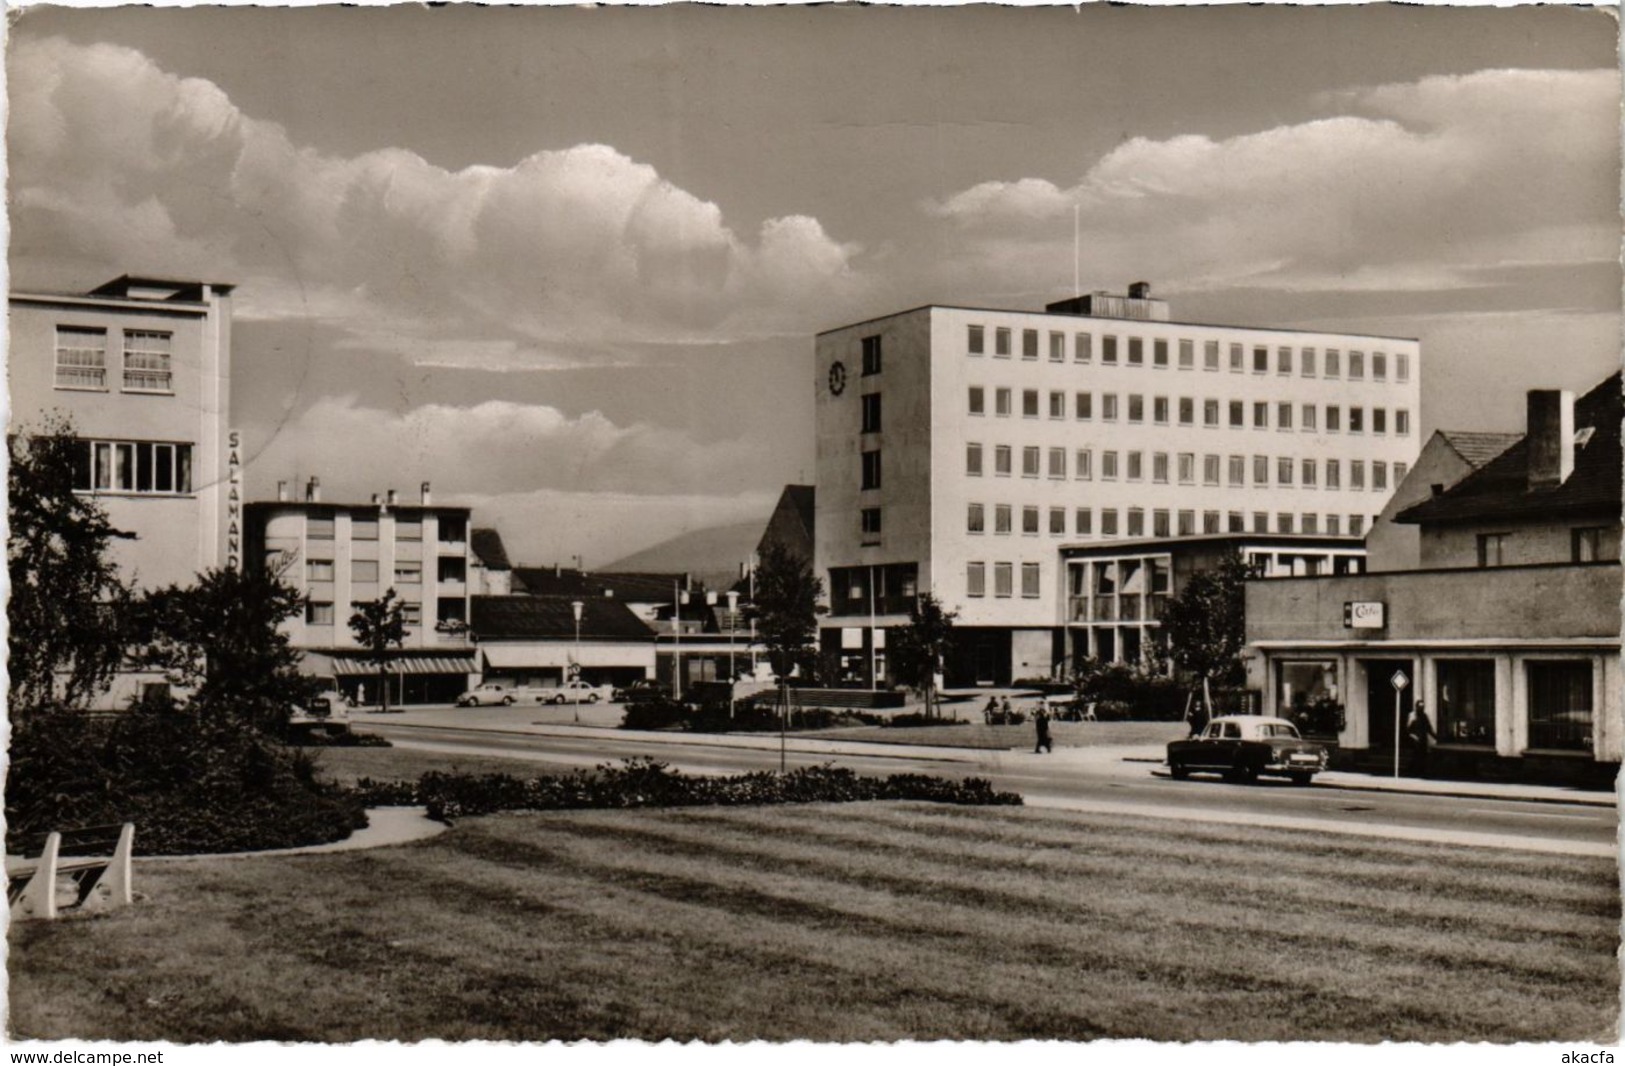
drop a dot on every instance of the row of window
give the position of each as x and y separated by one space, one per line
407 571
320 612
1003 580
1167 468
1285 360
147 467
364 526
81 359
1164 522
1180 410
1586 545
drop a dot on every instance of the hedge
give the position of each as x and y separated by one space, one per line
648 783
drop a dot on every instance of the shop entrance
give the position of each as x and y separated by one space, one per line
1379 687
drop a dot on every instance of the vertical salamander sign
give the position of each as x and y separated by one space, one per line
234 499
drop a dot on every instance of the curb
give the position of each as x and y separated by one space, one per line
1571 800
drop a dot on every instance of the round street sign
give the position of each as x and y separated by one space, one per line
1399 680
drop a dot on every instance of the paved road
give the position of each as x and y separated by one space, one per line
1091 780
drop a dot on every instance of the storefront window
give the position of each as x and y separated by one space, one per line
1465 701
1560 705
1307 694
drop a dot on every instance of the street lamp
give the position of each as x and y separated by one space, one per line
575 608
733 606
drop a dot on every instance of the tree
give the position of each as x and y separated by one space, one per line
379 625
918 649
1206 624
222 638
67 609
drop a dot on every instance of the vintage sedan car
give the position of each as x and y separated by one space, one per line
577 691
328 712
1245 746
488 694
644 688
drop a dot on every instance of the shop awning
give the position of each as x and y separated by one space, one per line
422 664
524 656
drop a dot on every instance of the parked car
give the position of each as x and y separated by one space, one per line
488 694
576 692
328 712
1245 746
644 688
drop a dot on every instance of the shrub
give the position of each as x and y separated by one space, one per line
660 712
1148 696
315 738
191 783
648 783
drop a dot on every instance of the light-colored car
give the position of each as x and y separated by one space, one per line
489 694
1244 746
328 712
577 692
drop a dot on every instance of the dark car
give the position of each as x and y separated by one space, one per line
1245 746
644 688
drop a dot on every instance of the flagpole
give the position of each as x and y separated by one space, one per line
677 641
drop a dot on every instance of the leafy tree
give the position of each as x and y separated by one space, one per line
1206 625
787 610
379 625
917 649
66 636
222 638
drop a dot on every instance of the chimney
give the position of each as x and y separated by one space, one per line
1549 437
1139 290
282 492
377 499
1437 488
313 490
425 492
392 497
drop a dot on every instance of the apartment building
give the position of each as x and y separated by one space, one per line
958 449
343 554
1508 630
141 370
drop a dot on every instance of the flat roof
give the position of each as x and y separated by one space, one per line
1103 318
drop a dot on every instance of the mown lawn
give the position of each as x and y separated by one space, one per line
858 922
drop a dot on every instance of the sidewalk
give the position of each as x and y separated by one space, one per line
1104 760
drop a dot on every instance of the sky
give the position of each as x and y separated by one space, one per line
567 263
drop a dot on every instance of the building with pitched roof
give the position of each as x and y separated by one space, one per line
1508 632
1446 458
542 641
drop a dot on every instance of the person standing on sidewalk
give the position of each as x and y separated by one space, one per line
1041 723
1421 733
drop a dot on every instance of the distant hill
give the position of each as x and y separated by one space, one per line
712 555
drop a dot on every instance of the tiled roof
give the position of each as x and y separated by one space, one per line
1500 489
1479 448
487 545
552 618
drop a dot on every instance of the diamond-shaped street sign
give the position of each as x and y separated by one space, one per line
1399 680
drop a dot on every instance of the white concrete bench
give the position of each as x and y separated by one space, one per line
96 859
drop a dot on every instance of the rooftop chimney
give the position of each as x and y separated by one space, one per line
1549 437
1139 290
313 491
392 497
377 499
282 491
425 492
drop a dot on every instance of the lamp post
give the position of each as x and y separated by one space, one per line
575 608
676 641
733 605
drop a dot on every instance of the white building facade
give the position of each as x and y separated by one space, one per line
959 448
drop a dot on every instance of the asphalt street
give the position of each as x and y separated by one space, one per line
1099 779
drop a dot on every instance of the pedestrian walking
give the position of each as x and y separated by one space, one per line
1420 730
1004 711
1041 723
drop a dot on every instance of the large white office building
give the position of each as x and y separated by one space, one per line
960 449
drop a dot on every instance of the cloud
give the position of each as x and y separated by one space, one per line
1416 182
492 447
120 165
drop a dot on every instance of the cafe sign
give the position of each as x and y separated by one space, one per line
1366 614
